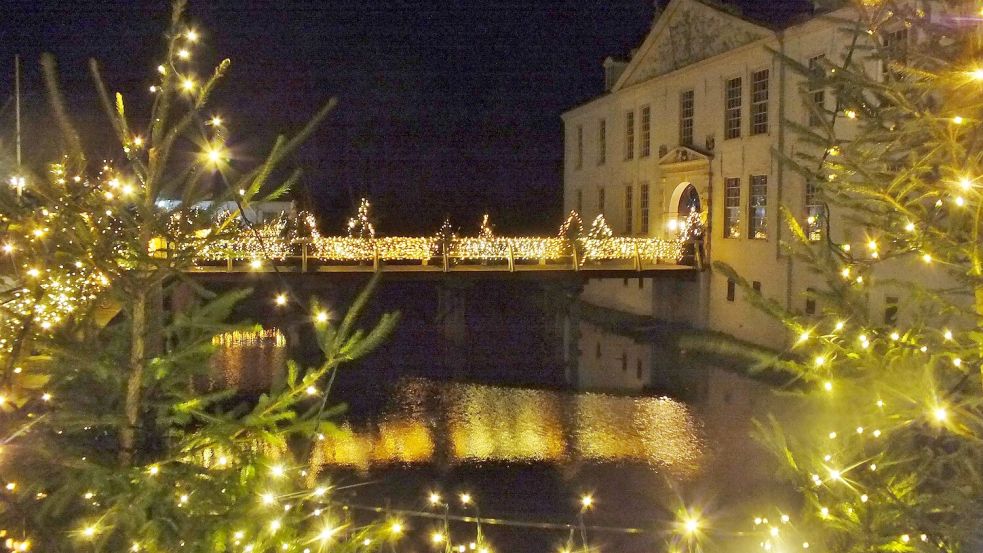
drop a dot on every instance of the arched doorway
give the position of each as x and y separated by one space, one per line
689 201
684 201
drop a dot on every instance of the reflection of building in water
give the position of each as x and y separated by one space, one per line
608 361
469 423
248 360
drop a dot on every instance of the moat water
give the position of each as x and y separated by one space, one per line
490 406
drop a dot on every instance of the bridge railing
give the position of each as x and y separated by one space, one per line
436 254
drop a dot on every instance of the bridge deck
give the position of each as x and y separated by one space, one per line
629 269
620 256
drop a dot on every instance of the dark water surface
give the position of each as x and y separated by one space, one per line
479 400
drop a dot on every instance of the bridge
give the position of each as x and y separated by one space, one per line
612 256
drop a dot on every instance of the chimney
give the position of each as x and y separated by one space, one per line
612 72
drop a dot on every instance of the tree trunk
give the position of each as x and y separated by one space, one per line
134 384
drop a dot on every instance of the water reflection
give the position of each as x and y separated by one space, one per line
247 360
472 423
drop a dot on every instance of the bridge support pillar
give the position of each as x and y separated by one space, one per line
452 318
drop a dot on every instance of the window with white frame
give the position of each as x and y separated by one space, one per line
815 213
643 207
630 135
629 212
817 93
732 207
759 102
895 51
732 108
758 207
645 148
686 111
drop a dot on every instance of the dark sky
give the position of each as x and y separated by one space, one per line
444 107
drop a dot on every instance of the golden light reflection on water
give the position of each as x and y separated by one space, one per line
469 423
248 360
452 423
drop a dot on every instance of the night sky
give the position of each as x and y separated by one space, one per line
445 108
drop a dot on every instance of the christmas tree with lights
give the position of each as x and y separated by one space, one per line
888 455
110 442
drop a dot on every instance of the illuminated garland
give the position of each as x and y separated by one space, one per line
270 241
366 249
488 249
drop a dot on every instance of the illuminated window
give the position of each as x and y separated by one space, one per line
759 102
602 142
758 207
629 214
645 148
686 110
643 206
630 135
732 108
732 208
815 213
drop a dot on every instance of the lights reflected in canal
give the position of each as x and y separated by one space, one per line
426 421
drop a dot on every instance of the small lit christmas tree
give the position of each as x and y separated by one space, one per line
360 226
599 229
486 231
888 455
108 443
572 228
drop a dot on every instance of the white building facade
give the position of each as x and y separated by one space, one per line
695 122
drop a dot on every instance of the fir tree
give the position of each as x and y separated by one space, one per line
889 453
109 444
